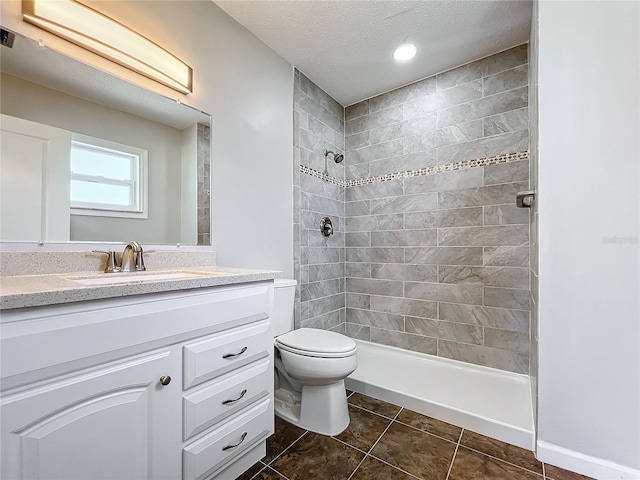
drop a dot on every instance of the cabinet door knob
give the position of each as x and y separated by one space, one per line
165 380
232 355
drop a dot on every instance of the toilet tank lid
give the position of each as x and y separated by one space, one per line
318 341
284 282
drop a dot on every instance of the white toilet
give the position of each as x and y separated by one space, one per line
310 368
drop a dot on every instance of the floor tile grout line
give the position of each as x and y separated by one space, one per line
374 443
279 473
455 452
505 461
375 413
391 465
431 433
283 451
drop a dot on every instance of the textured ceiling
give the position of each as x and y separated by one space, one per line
346 46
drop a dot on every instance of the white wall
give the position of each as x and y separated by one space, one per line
248 90
589 209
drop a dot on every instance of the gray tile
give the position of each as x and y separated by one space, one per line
512 121
404 306
321 113
483 107
505 215
455 180
403 94
326 206
456 76
378 151
358 270
317 255
357 140
491 195
375 255
356 110
359 332
458 332
374 190
406 203
410 161
406 128
444 255
504 60
396 271
375 319
316 186
323 321
396 238
462 132
442 99
485 147
374 286
511 256
515 320
462 217
416 343
359 208
321 97
507 173
358 300
374 222
374 120
325 271
498 235
507 298
324 288
341 329
467 294
506 80
507 340
326 304
352 172
487 356
313 238
510 277
358 239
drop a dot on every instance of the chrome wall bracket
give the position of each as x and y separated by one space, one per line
525 198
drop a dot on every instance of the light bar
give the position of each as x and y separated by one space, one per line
104 36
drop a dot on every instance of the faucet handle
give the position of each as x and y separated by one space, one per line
140 261
111 261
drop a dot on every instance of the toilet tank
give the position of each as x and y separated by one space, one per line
284 293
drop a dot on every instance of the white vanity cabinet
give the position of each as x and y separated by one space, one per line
159 386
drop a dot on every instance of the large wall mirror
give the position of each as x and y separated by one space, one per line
88 157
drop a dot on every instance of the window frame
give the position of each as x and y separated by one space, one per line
139 187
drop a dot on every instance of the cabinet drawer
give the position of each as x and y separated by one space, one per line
226 351
216 449
228 395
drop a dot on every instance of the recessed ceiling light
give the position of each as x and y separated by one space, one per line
405 52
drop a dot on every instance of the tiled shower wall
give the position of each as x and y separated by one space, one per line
435 261
204 192
318 122
440 263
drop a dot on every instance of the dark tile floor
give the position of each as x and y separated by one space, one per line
384 441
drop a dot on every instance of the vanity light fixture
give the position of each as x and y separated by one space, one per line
405 52
106 37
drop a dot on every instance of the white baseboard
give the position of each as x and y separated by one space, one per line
584 464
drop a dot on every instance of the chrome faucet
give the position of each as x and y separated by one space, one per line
132 260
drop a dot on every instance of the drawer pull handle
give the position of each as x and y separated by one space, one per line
229 447
227 402
165 380
232 355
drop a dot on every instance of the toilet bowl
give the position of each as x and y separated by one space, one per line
310 368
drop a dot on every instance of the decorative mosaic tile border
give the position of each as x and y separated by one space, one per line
419 172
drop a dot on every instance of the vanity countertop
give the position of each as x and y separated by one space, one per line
40 290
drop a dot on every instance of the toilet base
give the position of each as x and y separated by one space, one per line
322 409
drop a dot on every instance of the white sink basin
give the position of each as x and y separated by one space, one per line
134 277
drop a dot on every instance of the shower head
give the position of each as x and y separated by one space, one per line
337 157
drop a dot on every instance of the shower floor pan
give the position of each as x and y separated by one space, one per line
485 400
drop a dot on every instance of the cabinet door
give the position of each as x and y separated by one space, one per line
118 422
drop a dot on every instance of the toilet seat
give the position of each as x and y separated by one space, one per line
312 342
